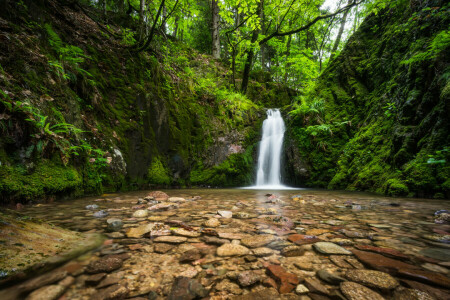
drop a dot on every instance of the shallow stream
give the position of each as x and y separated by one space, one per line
261 245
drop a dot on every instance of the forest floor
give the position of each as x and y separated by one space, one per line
246 244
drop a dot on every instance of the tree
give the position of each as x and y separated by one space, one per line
215 29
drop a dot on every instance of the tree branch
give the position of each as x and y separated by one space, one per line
307 26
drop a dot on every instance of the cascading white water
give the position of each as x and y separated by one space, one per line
269 158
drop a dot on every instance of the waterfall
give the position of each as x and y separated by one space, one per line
269 158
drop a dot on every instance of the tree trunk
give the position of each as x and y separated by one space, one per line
341 30
288 52
215 30
121 7
250 55
164 15
175 29
141 19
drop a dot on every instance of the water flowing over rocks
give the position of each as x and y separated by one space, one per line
280 248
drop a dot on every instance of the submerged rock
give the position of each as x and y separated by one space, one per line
225 214
101 214
213 222
105 264
185 288
141 213
49 292
374 279
92 206
355 291
258 240
232 250
114 224
330 248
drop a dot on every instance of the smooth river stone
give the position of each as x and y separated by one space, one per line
176 199
330 248
186 233
213 222
374 279
355 291
170 239
137 232
232 250
258 240
262 251
225 214
140 213
49 292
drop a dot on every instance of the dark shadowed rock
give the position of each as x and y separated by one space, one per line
185 288
105 264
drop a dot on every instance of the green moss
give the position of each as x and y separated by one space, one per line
396 188
48 178
158 174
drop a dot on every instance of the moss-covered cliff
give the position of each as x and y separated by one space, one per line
82 113
378 117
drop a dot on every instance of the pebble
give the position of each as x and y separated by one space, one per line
141 213
301 289
330 248
225 214
213 222
232 250
293 250
170 239
114 224
258 240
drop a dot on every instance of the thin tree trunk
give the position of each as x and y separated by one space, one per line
250 55
164 14
288 51
341 30
121 7
141 19
175 30
215 30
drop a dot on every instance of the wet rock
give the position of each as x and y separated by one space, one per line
330 248
342 242
373 279
112 292
170 239
291 251
114 224
49 292
248 278
108 281
433 291
384 264
190 255
304 265
315 286
436 253
94 279
316 231
435 268
215 240
101 214
92 206
185 233
241 215
426 276
384 251
158 195
329 277
68 281
441 238
232 235
176 199
258 240
411 294
301 289
225 214
163 206
185 288
140 231
162 248
189 272
279 244
286 281
442 217
228 286
42 280
262 251
232 250
104 264
213 222
264 294
141 213
355 291
301 239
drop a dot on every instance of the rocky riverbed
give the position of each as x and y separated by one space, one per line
243 244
